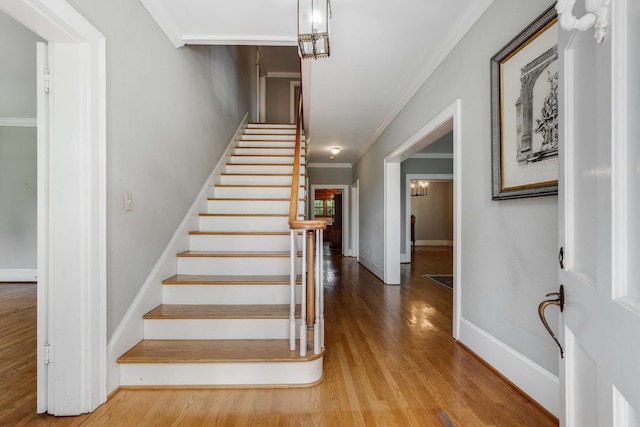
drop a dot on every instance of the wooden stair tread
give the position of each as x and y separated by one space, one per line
240 233
213 351
262 164
219 311
252 199
255 185
258 174
246 214
195 279
237 254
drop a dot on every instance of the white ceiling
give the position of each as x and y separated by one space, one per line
381 53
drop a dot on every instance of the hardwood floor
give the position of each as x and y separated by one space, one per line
390 361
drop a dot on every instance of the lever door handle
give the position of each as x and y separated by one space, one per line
559 301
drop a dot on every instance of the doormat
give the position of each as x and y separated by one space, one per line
441 279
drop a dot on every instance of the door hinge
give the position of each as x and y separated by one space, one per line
47 354
47 81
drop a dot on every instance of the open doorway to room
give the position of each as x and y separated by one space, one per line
331 203
397 204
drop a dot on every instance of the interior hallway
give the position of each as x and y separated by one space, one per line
390 361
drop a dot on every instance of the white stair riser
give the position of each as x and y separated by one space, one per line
255 192
270 131
271 125
218 243
244 223
255 179
227 266
284 160
266 151
251 206
151 374
228 294
217 329
266 144
280 136
261 169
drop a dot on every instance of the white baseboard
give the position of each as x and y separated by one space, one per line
531 378
434 243
372 266
131 328
18 274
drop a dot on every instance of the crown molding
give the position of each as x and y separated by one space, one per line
30 122
165 21
468 18
329 165
432 156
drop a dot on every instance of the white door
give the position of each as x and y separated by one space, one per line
599 208
42 102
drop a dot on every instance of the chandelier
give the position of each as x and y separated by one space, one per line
313 28
419 188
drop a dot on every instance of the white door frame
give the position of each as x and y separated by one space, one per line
407 191
448 119
355 220
71 209
345 210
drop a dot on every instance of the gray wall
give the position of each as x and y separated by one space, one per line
279 99
339 176
18 197
434 212
17 69
170 114
18 233
508 248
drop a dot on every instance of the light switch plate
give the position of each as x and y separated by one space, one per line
128 202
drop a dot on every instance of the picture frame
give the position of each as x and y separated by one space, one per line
524 112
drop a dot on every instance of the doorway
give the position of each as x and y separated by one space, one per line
340 231
447 121
71 161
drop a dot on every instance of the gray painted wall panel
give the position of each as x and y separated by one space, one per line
170 114
18 198
508 248
340 176
279 99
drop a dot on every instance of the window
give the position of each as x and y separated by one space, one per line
324 207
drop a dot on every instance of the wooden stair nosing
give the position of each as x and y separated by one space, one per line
254 185
236 254
253 199
267 215
214 351
241 233
259 174
188 279
263 164
219 311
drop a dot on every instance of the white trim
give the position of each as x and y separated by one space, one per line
433 130
432 156
130 330
283 75
211 39
345 210
406 254
456 32
329 165
371 266
391 215
165 21
531 378
75 272
28 122
434 243
355 219
18 274
292 99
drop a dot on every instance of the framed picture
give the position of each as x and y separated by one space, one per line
524 112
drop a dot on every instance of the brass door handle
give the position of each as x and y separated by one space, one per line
559 301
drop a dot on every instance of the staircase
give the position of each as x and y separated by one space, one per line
225 317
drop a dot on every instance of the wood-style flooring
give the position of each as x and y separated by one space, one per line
390 361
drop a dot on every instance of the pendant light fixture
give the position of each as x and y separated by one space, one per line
313 28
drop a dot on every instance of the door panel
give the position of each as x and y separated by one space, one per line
599 207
